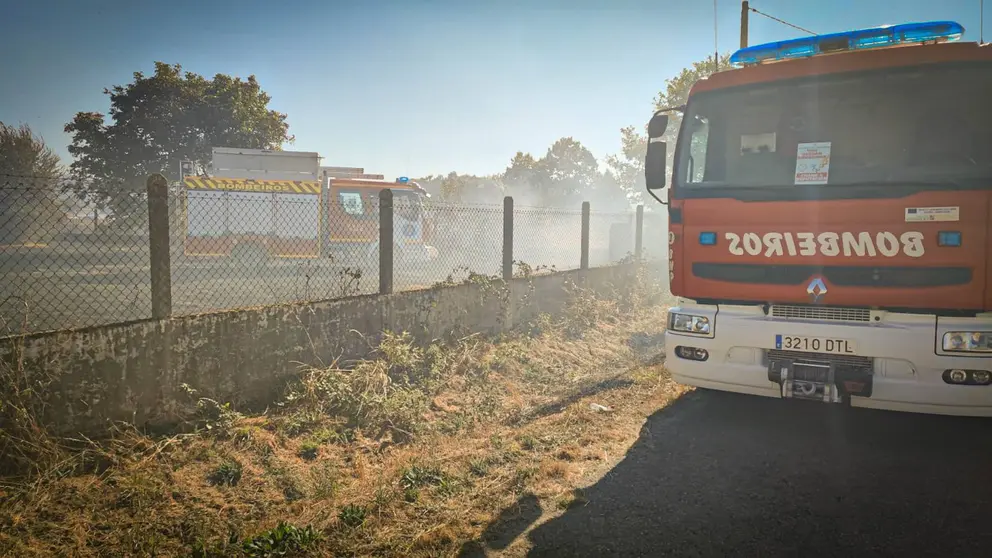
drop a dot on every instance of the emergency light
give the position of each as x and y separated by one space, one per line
860 39
949 238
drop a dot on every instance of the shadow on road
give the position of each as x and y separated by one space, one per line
718 474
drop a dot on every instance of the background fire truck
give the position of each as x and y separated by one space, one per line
258 206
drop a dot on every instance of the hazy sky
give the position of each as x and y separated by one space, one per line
407 87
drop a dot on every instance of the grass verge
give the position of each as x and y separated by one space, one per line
415 451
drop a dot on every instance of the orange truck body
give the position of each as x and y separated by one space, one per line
864 279
967 270
292 219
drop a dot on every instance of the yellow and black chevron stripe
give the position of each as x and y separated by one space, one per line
247 185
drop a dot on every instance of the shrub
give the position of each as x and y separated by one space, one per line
284 539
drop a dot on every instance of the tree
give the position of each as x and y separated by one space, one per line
628 166
157 121
452 187
22 154
30 175
522 170
568 170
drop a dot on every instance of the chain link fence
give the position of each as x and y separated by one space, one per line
65 263
241 249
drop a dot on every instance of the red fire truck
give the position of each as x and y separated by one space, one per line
260 205
829 222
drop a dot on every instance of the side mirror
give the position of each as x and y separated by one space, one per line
655 164
658 125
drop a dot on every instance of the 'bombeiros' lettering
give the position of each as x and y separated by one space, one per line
829 244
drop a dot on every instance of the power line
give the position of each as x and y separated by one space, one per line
803 29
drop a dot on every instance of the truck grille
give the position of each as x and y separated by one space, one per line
800 312
821 359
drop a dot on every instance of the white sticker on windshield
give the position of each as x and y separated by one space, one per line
914 214
813 163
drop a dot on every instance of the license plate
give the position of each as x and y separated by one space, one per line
827 345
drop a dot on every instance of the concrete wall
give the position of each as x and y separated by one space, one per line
133 371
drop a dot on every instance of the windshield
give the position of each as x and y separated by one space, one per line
901 125
407 204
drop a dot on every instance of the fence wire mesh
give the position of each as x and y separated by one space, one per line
460 238
68 263
655 237
242 249
548 238
65 263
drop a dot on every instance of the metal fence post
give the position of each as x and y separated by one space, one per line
584 260
158 246
508 238
385 241
639 234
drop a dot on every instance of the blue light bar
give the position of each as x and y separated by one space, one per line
402 180
949 238
707 238
860 39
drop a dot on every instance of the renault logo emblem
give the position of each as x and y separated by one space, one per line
816 289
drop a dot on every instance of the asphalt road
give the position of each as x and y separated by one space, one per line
718 474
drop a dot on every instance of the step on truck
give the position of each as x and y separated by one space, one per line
829 222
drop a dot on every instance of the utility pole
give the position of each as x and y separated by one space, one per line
716 42
745 9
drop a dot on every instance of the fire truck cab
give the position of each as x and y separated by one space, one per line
829 222
353 221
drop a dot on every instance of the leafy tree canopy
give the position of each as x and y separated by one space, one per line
30 175
25 155
159 120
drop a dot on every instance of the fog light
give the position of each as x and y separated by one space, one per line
691 353
958 376
981 376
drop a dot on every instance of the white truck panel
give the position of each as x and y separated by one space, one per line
262 164
297 216
250 213
205 213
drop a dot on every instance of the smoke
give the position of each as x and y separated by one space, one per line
468 215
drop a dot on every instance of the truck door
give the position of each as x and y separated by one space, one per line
352 218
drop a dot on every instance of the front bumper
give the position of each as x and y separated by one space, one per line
906 368
418 253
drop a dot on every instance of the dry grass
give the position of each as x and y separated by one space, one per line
413 452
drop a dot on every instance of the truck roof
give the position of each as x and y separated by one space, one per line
369 183
848 61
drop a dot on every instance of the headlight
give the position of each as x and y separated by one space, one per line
688 323
968 341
